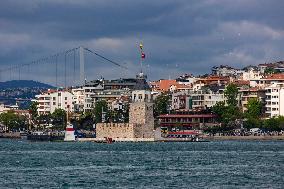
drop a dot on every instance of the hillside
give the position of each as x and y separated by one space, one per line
23 84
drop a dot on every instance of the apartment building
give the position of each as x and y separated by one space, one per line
250 93
203 98
51 100
267 80
274 101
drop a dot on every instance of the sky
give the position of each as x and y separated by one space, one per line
179 36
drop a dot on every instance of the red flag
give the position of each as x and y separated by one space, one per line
143 55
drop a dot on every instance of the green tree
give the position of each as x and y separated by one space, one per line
13 121
272 124
59 118
281 122
270 70
161 104
86 121
254 108
219 108
33 111
100 106
227 115
253 114
231 93
44 119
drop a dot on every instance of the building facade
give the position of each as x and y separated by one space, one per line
274 101
51 100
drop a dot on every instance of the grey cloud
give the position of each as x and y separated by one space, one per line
194 35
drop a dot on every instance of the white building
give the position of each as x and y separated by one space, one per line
4 108
274 101
202 99
78 99
251 74
51 100
266 81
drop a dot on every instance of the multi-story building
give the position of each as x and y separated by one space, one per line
51 100
203 98
108 90
206 97
279 66
163 85
186 121
274 101
226 71
178 101
251 73
213 80
267 80
250 93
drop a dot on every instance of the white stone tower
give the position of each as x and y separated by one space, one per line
141 114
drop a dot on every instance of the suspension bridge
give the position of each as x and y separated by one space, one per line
62 69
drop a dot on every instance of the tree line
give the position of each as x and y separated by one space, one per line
58 119
231 117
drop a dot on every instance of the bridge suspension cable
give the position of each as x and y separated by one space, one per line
37 68
103 57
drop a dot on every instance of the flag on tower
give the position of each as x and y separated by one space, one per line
143 55
141 46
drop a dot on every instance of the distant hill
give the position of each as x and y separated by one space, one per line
22 84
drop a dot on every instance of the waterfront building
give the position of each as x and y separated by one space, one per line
274 101
186 121
51 100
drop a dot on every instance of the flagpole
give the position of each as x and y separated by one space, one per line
141 61
141 55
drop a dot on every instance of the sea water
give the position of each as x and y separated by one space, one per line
227 164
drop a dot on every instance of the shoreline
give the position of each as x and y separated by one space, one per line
16 135
253 138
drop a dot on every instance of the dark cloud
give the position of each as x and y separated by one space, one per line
179 36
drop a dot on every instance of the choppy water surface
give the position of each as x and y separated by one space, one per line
226 164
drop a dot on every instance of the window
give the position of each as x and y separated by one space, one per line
59 94
54 103
54 98
65 98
